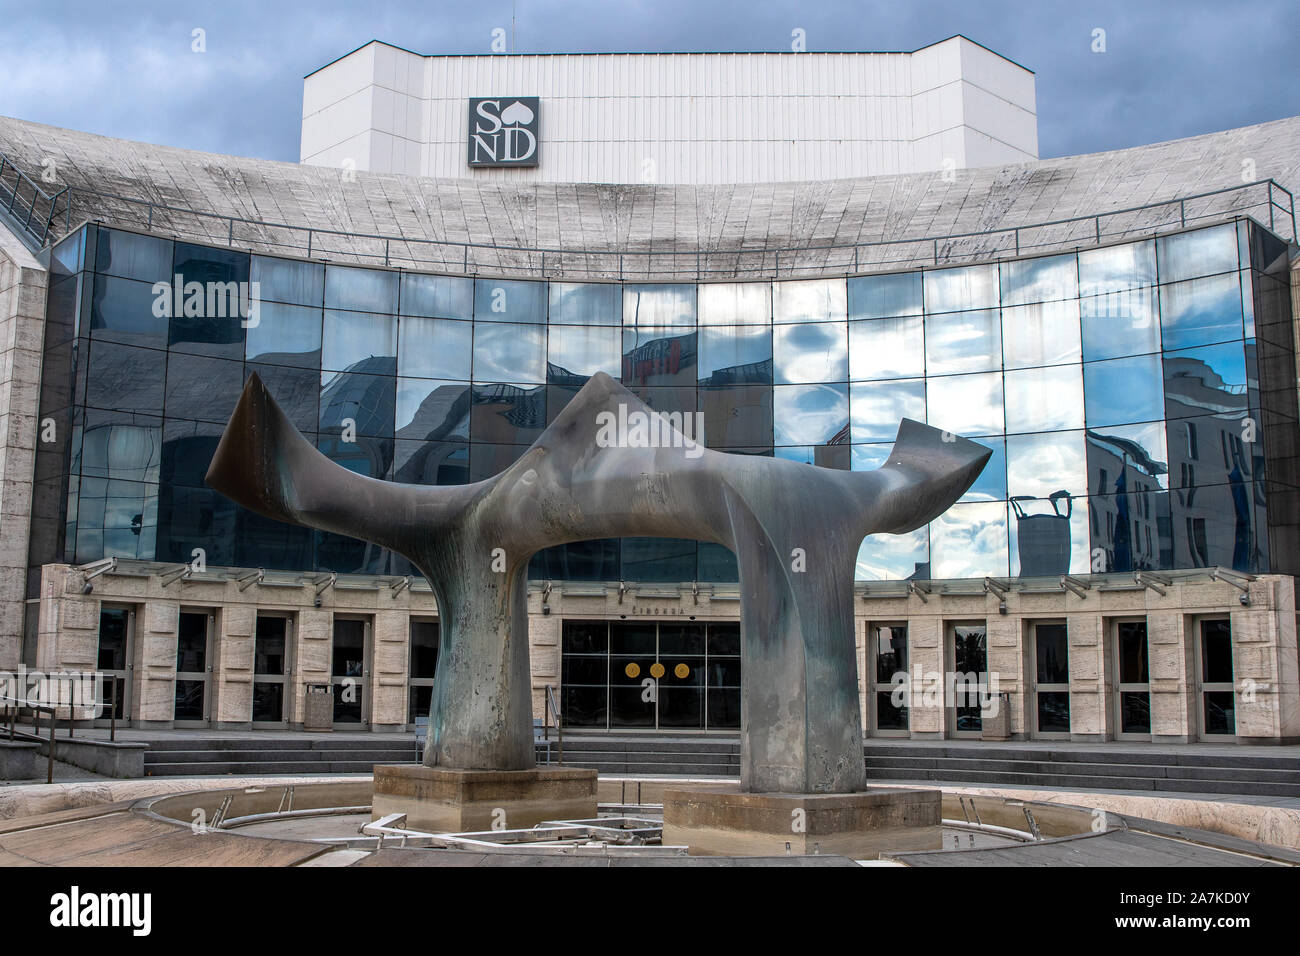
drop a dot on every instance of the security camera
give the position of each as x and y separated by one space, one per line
546 609
316 601
1244 598
87 588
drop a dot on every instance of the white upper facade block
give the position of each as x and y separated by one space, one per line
674 118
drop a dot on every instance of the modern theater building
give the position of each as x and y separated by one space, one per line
805 248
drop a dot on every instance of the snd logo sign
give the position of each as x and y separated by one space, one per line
504 130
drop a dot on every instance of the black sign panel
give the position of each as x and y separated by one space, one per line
504 130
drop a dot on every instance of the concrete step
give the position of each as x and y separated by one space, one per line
1084 781
398 755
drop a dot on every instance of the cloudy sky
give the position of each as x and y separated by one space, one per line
126 69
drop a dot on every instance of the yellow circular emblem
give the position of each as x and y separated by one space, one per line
682 671
632 670
656 670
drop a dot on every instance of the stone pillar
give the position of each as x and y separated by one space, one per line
1090 686
22 331
543 655
1169 659
232 674
154 693
862 653
1006 658
926 716
1264 663
313 644
390 661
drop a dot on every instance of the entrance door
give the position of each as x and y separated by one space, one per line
113 660
193 650
888 644
351 668
1051 680
968 651
424 666
1217 698
1132 681
270 671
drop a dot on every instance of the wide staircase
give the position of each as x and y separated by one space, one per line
174 756
1271 771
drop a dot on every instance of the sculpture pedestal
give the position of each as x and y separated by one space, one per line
723 821
442 800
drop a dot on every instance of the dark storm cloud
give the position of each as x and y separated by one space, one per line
127 69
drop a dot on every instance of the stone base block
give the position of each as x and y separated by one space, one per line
723 821
442 800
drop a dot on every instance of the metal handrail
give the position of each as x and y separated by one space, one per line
35 709
40 231
553 706
848 257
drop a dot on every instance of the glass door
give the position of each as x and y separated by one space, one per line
888 646
351 667
622 675
270 671
1132 681
113 661
968 651
424 666
1051 680
193 647
1218 699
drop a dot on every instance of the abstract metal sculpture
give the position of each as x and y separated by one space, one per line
795 530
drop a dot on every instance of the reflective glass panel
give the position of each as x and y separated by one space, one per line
1042 334
823 456
443 297
1044 279
487 460
737 415
963 342
1212 378
1127 458
574 303
295 390
509 353
886 348
367 401
810 414
663 305
1049 536
1041 465
290 281
812 352
894 557
1130 532
129 255
576 352
508 414
359 342
1119 323
813 300
285 335
122 310
434 348
361 290
1202 252
1124 390
735 303
1201 311
957 290
658 559
658 356
125 378
430 410
965 404
878 407
505 300
201 388
1044 399
969 540
430 462
1113 268
874 297
735 355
